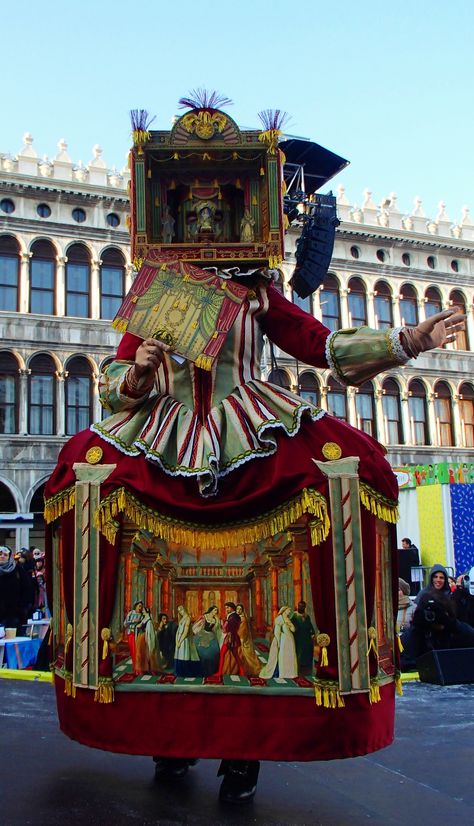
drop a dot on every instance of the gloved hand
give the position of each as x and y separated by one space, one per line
439 329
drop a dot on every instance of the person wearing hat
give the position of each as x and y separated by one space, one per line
406 608
13 590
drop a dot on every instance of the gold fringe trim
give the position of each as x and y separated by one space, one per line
59 504
204 362
386 509
120 324
105 692
215 537
328 696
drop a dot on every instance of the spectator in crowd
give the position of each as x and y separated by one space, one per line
408 557
463 597
434 626
438 582
14 590
406 607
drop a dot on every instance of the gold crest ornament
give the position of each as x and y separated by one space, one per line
331 450
94 455
204 123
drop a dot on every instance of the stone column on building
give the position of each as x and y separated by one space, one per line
95 288
61 403
60 308
457 426
371 320
259 573
380 435
406 423
421 310
470 326
343 294
24 291
317 312
324 397
96 405
23 402
351 406
397 318
433 430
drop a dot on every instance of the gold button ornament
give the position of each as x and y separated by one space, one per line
331 450
94 455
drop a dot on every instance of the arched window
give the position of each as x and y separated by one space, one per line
337 400
444 414
466 410
433 302
78 395
112 283
104 412
78 276
37 509
383 306
303 303
280 378
408 306
42 278
462 342
8 393
9 273
392 413
417 411
357 303
42 396
365 408
309 387
330 304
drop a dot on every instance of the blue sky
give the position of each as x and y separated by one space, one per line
388 86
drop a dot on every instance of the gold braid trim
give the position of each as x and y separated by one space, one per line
59 504
213 537
379 505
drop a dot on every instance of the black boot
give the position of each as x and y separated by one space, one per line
240 780
166 767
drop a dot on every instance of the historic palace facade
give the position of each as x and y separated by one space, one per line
65 266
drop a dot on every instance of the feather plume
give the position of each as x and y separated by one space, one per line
141 120
273 118
202 99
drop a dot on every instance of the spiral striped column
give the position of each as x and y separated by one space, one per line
85 622
351 618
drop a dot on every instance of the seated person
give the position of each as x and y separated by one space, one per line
438 581
434 626
406 608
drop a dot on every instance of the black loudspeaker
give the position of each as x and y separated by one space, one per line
447 666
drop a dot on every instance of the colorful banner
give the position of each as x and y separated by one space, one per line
431 525
442 473
462 509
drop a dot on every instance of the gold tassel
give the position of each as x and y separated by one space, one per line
318 695
398 685
105 635
374 694
372 635
323 640
262 171
105 693
400 645
204 362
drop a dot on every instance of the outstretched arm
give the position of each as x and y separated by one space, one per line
358 354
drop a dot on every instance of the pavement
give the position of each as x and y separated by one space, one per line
424 778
